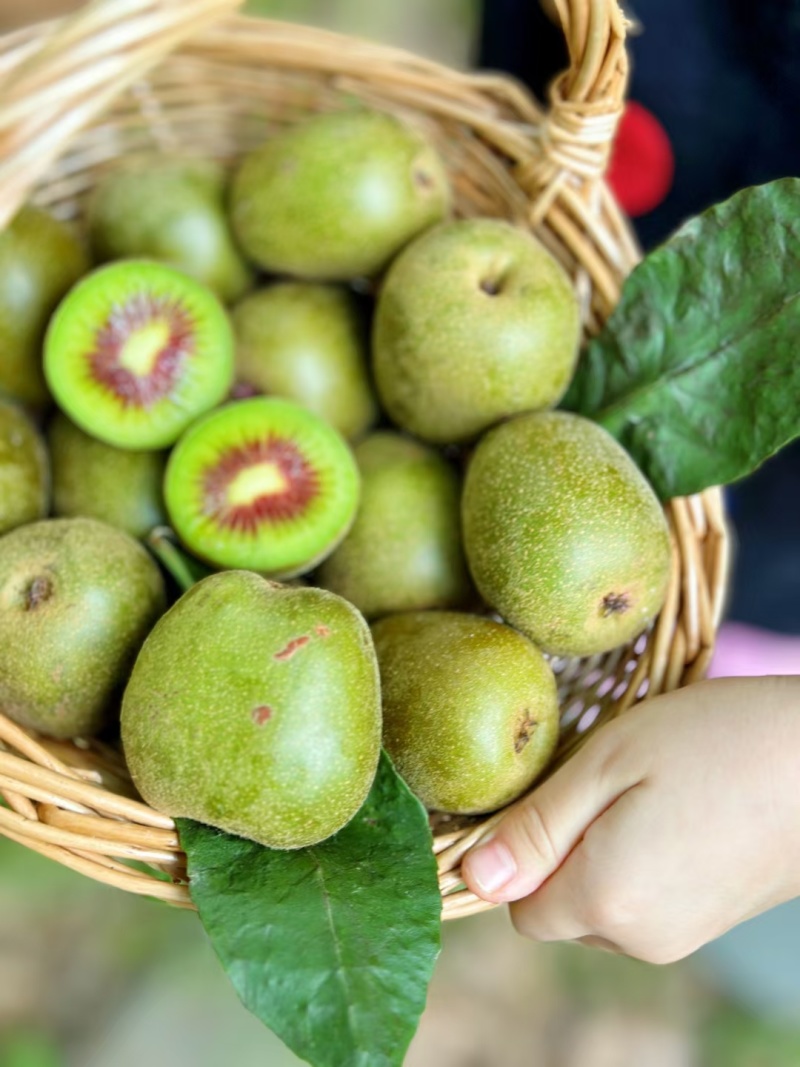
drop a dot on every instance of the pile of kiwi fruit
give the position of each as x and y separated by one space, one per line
341 401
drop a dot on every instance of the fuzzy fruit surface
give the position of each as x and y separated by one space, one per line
403 552
77 599
255 708
97 481
40 259
172 210
306 342
564 536
470 711
337 196
24 470
475 321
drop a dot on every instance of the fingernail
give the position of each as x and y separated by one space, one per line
492 866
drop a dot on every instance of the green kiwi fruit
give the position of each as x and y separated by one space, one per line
95 480
256 708
40 259
136 352
470 709
77 599
476 321
172 210
24 469
262 485
306 342
564 536
404 551
337 196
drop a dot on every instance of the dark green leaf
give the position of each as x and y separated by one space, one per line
697 372
185 570
333 946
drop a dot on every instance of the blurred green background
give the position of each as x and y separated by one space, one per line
91 977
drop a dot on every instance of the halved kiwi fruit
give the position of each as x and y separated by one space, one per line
136 351
262 485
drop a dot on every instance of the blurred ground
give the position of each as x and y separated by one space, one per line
90 977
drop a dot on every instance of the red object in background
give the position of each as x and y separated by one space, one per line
642 162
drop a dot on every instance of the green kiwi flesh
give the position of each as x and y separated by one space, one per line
262 485
136 352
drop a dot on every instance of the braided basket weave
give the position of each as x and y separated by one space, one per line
125 77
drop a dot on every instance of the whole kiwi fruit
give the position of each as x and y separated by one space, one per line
77 598
403 552
476 321
24 469
307 342
255 708
470 712
121 487
172 210
337 196
564 536
40 259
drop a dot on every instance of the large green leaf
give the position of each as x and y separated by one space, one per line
697 372
333 946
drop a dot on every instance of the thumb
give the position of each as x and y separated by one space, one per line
537 833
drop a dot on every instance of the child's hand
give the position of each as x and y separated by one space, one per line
671 825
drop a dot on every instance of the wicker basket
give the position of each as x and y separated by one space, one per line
124 77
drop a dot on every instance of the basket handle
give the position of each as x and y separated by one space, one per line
53 85
586 101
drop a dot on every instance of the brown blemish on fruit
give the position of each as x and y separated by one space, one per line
525 731
422 179
615 604
38 592
322 631
294 646
490 286
261 714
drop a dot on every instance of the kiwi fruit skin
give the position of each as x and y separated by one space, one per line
90 324
306 342
40 259
255 708
476 321
171 210
282 546
403 552
24 470
77 599
470 709
564 536
94 480
337 196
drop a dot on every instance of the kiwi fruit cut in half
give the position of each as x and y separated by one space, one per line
136 352
262 485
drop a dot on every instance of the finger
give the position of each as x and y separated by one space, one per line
538 833
554 912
